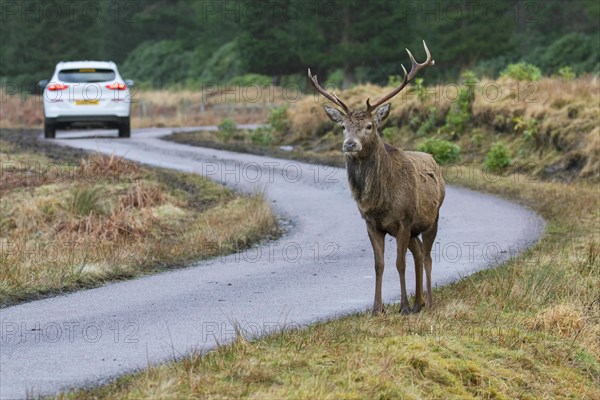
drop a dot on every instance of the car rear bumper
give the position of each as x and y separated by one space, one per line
70 109
104 120
88 118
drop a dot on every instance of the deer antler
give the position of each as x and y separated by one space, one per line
331 96
416 67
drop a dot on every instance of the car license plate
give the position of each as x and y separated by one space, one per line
87 102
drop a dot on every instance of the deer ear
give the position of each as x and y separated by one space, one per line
334 114
382 113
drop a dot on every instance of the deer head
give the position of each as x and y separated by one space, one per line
361 126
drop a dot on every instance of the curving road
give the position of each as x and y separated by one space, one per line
320 269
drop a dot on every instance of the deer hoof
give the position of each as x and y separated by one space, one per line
377 310
417 308
405 310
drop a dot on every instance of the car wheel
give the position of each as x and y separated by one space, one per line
125 129
49 130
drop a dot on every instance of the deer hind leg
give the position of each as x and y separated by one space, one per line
416 248
377 238
402 241
428 239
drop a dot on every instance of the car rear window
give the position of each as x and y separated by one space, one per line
86 75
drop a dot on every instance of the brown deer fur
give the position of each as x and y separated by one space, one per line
398 193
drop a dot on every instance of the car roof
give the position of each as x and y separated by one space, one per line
86 64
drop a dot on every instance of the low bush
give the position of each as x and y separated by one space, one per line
227 129
497 158
566 73
522 72
262 136
527 126
419 89
278 118
443 151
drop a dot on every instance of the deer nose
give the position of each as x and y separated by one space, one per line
349 145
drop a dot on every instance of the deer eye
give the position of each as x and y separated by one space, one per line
369 127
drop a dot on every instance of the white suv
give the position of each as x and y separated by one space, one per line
86 93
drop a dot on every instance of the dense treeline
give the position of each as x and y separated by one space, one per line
185 42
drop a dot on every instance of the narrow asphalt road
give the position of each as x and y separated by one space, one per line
322 268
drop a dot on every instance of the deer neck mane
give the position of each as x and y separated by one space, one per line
367 175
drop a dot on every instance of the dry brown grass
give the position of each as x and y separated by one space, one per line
563 319
98 166
20 111
591 153
108 218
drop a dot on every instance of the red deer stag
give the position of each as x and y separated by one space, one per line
398 192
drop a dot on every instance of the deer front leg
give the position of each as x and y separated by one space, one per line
416 248
402 240
428 240
377 238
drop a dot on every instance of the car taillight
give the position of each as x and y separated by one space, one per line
57 86
117 86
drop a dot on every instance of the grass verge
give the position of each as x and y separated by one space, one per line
68 225
527 329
